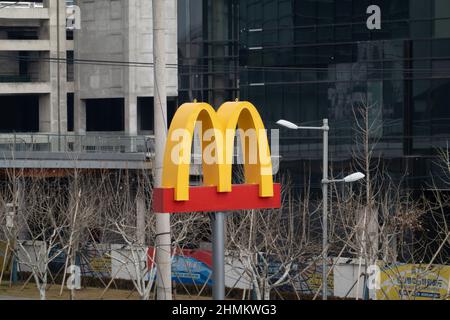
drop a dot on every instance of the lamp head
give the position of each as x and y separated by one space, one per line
287 124
354 177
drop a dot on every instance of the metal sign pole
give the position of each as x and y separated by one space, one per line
325 212
217 194
218 234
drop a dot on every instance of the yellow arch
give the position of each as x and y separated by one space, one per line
245 116
231 115
180 137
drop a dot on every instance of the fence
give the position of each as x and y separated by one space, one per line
71 143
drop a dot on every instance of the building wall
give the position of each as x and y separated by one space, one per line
121 31
308 60
101 38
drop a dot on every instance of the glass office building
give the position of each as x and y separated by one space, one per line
306 60
208 50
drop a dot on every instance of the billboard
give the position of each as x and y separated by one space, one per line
94 261
414 282
190 267
310 280
193 267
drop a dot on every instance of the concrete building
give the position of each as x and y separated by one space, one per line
33 78
109 89
79 96
86 90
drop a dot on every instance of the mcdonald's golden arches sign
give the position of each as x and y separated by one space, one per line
218 134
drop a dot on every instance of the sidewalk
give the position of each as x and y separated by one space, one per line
2 298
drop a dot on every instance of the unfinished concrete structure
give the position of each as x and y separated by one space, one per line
100 105
108 89
33 76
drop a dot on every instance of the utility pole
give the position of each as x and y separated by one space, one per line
58 66
163 233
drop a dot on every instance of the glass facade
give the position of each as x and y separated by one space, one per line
306 60
208 50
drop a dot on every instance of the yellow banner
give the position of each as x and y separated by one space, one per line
414 282
101 264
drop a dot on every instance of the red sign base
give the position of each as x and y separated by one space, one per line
207 199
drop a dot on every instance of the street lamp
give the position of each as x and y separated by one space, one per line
325 182
348 179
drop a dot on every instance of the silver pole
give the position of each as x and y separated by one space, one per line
163 238
58 71
218 233
325 211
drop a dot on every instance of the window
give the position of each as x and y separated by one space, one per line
421 114
420 9
440 112
105 115
442 16
420 29
441 48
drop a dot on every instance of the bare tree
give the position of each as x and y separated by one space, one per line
370 219
82 209
39 217
119 198
272 245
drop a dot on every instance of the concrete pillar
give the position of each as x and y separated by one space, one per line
131 124
139 118
79 120
131 54
79 107
46 123
53 108
79 115
131 114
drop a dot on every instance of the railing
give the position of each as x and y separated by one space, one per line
290 147
21 4
71 143
341 147
4 78
36 5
